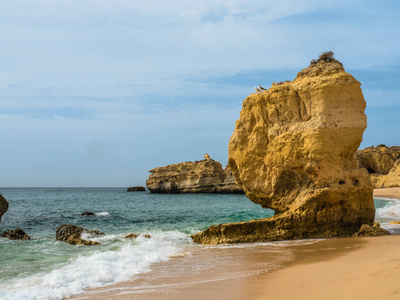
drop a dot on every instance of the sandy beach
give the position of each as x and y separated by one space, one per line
392 193
342 268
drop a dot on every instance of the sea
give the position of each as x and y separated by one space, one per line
44 268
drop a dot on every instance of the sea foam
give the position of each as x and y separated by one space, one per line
390 212
102 214
97 269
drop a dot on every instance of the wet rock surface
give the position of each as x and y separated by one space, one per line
3 206
17 234
72 234
136 189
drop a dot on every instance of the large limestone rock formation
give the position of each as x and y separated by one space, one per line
380 161
3 206
292 150
392 179
204 176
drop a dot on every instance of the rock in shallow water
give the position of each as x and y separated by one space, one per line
87 213
292 150
17 234
132 236
71 234
3 206
136 189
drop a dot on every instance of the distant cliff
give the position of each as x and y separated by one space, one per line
204 176
382 164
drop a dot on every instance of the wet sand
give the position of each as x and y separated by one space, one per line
342 268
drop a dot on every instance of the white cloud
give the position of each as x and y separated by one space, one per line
158 81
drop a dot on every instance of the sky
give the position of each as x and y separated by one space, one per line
95 93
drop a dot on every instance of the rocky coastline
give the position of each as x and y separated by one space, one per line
382 164
293 150
204 176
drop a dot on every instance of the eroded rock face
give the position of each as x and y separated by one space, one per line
382 163
378 160
17 234
72 234
3 206
229 186
392 179
132 236
292 150
204 176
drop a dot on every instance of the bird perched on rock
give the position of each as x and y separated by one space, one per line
257 90
260 88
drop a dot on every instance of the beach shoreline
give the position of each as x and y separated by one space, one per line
391 193
341 268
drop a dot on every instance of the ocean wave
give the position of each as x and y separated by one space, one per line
390 211
97 269
102 214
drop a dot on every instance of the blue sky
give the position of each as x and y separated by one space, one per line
96 93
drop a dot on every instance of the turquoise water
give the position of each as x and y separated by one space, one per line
53 269
44 268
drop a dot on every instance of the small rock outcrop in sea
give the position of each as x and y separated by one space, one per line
136 189
3 206
87 213
132 236
292 150
72 234
136 235
17 234
394 223
374 230
382 163
204 176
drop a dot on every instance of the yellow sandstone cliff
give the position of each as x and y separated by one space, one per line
292 150
392 179
382 164
204 176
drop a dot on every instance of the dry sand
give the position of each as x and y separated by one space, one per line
388 193
343 268
372 272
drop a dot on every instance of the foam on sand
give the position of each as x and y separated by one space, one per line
98 269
